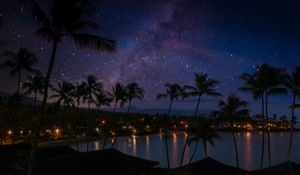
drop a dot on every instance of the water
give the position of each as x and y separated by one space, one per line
152 147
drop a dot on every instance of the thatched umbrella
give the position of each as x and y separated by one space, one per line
108 161
286 168
208 166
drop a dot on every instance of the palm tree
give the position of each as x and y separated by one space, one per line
204 132
63 93
78 93
270 78
67 18
233 108
292 82
203 86
102 99
174 91
34 85
119 94
92 88
253 86
264 83
134 91
23 60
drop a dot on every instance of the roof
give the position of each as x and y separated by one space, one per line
208 166
109 161
286 168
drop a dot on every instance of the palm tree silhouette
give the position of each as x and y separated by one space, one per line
23 60
119 94
174 91
253 86
233 108
68 18
292 82
78 93
134 91
102 99
264 83
204 132
269 78
203 86
63 93
34 85
92 87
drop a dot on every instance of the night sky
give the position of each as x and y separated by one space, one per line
163 41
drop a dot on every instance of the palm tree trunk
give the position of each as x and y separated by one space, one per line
235 146
268 132
43 108
197 107
129 106
34 103
19 80
263 131
166 133
194 152
115 106
115 139
89 103
205 148
291 129
189 132
104 142
184 147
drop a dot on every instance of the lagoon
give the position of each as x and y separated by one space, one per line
249 147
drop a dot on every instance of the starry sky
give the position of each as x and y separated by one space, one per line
163 41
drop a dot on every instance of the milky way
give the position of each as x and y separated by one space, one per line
163 41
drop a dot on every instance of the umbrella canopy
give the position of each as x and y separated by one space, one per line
109 161
207 166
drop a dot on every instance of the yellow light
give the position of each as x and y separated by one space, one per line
57 131
103 122
21 132
186 125
9 132
97 129
147 126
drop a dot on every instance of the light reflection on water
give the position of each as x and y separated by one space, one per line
152 147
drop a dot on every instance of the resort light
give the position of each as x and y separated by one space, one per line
57 131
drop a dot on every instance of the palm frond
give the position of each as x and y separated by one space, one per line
160 96
94 42
276 91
